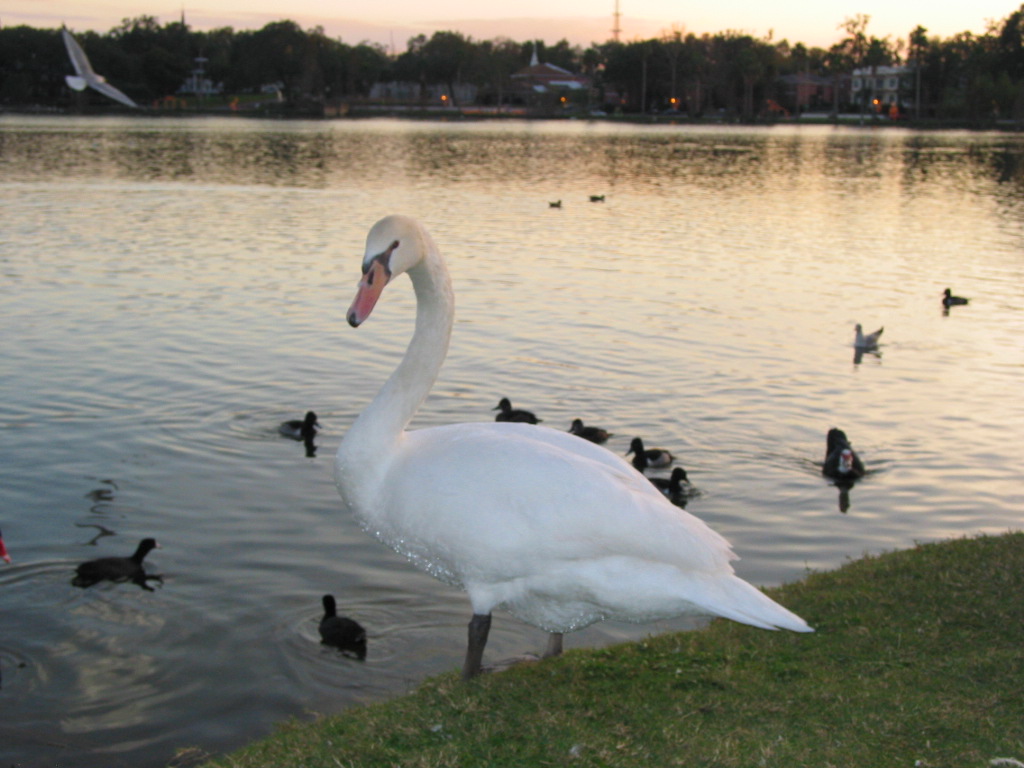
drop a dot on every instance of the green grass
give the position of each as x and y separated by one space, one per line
918 660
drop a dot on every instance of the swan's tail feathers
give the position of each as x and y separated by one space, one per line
75 82
739 601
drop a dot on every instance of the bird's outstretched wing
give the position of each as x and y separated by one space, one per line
111 92
86 77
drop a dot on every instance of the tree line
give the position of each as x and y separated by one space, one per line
966 77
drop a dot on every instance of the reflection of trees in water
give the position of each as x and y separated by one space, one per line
324 155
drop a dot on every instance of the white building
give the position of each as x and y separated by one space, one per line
883 86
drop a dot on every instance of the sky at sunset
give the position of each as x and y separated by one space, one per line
393 22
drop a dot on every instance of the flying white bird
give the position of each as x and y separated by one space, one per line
85 77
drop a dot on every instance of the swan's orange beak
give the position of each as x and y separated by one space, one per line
3 551
369 291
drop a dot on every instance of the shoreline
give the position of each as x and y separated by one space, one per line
915 661
478 114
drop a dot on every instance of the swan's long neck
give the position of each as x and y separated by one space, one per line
382 423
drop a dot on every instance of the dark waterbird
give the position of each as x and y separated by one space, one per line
648 458
676 486
841 463
508 413
949 300
555 204
118 569
300 430
593 434
340 631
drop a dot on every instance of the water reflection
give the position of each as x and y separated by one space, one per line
101 531
319 155
858 354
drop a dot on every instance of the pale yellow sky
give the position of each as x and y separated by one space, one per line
392 22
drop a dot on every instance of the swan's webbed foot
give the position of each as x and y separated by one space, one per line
479 627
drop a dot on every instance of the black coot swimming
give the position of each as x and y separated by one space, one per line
118 569
300 430
340 631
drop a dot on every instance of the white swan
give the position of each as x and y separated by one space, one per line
557 530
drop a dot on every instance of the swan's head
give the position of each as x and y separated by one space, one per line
394 245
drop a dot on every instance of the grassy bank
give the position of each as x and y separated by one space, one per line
918 660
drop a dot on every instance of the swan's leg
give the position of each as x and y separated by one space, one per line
479 626
554 645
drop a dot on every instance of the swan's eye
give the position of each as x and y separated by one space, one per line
382 259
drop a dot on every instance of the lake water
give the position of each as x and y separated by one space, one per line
172 290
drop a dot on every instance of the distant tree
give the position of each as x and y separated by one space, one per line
624 73
410 66
146 59
367 64
672 47
917 49
495 63
562 54
33 63
272 54
447 56
696 66
1009 45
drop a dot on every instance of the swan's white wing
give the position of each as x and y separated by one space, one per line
504 500
584 538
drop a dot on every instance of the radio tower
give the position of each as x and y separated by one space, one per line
617 29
